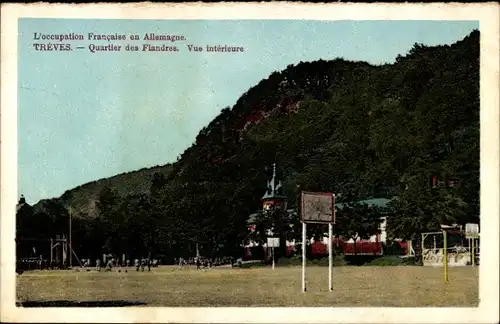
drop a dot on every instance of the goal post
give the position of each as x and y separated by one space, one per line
317 208
455 250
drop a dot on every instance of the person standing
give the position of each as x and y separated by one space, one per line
109 265
198 263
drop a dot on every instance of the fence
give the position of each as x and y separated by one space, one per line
461 251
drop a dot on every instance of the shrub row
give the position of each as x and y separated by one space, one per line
338 261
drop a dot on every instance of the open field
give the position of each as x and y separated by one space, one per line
172 286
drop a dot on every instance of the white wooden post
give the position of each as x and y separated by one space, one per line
330 256
304 247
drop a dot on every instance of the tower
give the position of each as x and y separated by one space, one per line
21 203
274 202
274 195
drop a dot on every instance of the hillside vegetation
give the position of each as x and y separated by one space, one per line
83 198
339 126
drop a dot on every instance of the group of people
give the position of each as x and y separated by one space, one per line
139 264
116 263
203 262
24 264
143 263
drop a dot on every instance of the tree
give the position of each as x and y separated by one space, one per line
419 208
110 219
58 217
25 226
159 182
272 223
358 221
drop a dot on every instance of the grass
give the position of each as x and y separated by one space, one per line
171 286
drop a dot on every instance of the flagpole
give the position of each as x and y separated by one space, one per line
70 242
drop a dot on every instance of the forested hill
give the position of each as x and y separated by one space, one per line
83 198
340 126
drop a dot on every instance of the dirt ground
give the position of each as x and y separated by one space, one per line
366 286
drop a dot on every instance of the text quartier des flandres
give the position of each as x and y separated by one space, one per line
161 48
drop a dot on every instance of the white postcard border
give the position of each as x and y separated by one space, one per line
488 16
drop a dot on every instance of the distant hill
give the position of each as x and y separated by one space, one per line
83 198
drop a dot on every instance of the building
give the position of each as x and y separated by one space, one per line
372 246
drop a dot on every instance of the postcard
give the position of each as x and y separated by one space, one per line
250 163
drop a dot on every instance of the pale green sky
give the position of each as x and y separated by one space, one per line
85 116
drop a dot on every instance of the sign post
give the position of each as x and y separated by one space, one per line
472 233
272 255
304 247
473 254
273 242
319 208
445 256
330 256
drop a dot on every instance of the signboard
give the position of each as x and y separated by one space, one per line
471 230
317 207
273 242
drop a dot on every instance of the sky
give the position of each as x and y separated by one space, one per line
84 116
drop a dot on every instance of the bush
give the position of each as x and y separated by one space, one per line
393 248
340 261
360 259
251 265
393 260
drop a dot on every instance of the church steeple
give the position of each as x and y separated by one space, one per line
274 189
274 194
